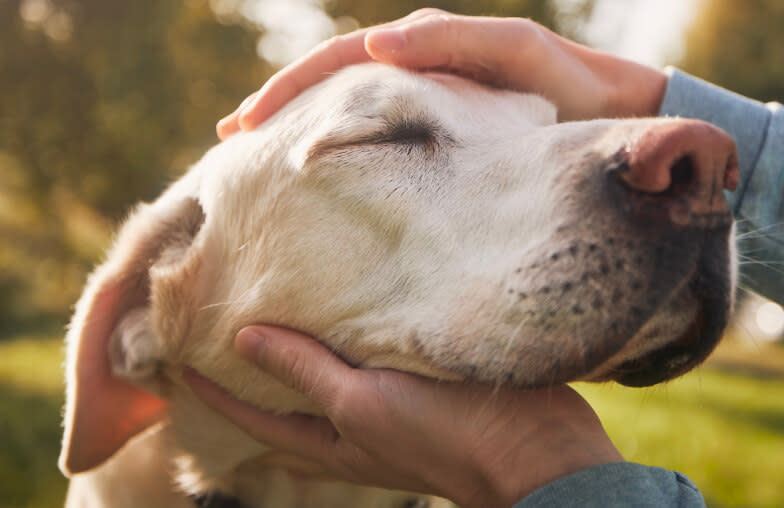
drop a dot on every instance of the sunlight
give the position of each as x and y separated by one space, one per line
641 30
770 320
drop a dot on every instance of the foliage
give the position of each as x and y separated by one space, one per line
100 109
723 430
738 45
31 395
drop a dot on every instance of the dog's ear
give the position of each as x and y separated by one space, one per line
103 410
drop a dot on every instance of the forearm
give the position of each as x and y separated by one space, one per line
758 204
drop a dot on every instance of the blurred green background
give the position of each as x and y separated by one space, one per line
103 102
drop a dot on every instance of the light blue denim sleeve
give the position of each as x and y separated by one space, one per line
619 485
758 203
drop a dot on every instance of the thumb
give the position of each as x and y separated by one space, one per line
296 360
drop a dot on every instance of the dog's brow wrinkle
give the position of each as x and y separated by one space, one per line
408 132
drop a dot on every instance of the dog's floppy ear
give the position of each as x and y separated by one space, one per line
103 411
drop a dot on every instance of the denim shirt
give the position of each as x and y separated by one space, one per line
758 202
758 205
617 485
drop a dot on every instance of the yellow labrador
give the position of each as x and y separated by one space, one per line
416 222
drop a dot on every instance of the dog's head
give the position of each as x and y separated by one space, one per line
419 222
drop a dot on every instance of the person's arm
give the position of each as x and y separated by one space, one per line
758 204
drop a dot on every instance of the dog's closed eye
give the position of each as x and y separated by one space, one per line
407 134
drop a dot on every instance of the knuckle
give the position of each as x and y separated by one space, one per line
443 20
330 44
450 27
350 404
337 40
296 370
526 31
523 24
341 408
426 11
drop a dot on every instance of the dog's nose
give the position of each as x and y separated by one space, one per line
678 169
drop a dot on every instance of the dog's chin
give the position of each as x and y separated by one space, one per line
698 336
684 330
677 357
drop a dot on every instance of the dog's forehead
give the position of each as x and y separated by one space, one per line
379 90
361 99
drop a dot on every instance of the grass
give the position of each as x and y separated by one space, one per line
722 425
725 431
31 398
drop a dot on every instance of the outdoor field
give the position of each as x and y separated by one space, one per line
722 425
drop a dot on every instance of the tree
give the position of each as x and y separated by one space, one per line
740 46
102 102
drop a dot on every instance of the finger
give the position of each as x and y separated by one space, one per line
307 436
445 41
229 124
312 68
297 361
324 59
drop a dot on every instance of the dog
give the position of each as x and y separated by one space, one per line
419 222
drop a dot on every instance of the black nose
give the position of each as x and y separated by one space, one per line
674 172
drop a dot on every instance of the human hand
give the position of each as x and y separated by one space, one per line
475 445
511 53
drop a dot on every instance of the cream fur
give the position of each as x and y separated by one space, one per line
406 221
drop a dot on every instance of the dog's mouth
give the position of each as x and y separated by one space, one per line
634 307
677 357
711 288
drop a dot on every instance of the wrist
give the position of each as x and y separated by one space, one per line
636 90
560 463
564 438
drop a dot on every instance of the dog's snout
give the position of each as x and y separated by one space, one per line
679 167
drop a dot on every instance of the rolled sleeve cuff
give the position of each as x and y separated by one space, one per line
622 484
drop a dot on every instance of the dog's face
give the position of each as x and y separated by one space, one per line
418 222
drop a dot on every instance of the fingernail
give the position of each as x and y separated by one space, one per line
386 40
249 342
